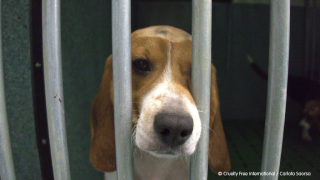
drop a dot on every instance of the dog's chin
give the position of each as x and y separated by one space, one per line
158 149
167 153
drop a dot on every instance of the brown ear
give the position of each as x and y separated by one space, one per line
218 150
102 151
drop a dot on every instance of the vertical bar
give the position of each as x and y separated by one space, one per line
121 63
201 77
110 175
54 88
277 86
6 161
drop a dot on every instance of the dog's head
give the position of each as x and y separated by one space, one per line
165 118
312 109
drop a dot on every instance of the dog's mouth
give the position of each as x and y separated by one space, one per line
165 155
155 147
168 153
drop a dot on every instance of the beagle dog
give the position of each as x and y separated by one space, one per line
304 91
311 118
166 123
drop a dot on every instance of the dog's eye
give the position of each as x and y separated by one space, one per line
313 108
141 65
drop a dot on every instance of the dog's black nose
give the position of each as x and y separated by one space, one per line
173 129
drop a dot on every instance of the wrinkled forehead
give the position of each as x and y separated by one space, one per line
166 32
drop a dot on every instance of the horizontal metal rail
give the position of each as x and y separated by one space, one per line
277 86
6 161
54 88
122 94
201 77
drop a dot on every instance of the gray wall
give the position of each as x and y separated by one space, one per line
86 43
16 57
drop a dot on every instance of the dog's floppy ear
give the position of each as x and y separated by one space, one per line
218 150
102 151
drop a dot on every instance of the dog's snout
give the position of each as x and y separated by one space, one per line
173 129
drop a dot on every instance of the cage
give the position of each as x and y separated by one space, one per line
240 29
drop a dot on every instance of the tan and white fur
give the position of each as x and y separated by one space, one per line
311 117
162 91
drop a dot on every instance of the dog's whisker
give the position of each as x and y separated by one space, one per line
212 131
135 117
133 128
133 135
207 127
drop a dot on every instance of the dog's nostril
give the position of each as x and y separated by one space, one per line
165 132
185 133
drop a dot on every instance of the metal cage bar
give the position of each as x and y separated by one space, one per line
122 94
201 77
54 88
277 86
6 161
